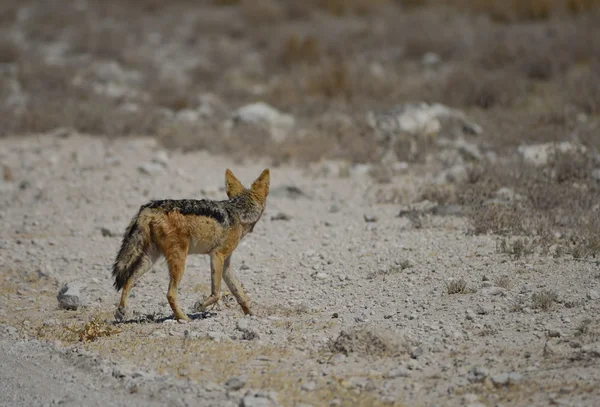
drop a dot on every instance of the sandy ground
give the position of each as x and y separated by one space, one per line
352 301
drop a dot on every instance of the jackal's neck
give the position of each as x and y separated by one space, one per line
245 208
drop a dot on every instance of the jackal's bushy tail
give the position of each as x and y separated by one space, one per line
134 247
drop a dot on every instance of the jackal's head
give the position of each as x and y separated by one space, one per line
251 202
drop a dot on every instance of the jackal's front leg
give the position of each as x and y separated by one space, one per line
235 287
216 273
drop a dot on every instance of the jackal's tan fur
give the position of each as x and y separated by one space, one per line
176 228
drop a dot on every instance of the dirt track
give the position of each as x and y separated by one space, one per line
383 282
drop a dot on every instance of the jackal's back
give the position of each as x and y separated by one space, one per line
198 207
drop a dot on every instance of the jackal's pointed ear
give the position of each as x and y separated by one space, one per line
261 185
233 186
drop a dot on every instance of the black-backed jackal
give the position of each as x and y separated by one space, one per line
176 228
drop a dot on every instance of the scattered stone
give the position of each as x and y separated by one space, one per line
368 341
261 113
161 157
470 315
281 216
151 168
591 350
507 195
235 383
321 276
288 191
593 295
493 291
188 116
542 154
259 399
477 374
413 365
309 386
106 232
69 296
248 333
359 170
419 119
431 59
398 372
484 309
506 379
553 333
216 336
416 352
370 218
458 173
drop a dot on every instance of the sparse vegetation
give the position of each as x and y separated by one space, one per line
516 248
544 300
457 287
503 282
94 329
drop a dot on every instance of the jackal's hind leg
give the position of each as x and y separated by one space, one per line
147 261
216 273
176 256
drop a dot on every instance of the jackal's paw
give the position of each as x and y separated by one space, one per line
199 306
120 314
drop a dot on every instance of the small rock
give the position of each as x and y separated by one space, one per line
151 168
593 295
161 157
507 195
258 399
288 191
493 291
235 383
542 154
398 372
360 170
477 374
553 333
216 336
484 309
413 365
470 315
370 218
321 276
458 173
69 296
248 333
309 386
261 113
281 216
505 379
106 232
416 352
431 59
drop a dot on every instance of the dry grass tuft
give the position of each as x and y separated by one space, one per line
94 329
298 50
516 248
544 299
459 286
503 282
